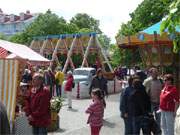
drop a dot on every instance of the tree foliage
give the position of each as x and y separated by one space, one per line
83 20
146 14
45 24
172 22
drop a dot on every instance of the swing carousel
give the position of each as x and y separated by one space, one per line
72 50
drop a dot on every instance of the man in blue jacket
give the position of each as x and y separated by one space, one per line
125 109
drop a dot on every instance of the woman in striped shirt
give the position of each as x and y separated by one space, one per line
96 111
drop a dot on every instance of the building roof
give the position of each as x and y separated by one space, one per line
16 18
22 51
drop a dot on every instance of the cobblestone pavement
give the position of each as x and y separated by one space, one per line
73 121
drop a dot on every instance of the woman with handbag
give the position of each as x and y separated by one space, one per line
169 99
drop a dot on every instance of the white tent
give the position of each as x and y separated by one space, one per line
22 51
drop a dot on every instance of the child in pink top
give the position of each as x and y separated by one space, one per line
96 111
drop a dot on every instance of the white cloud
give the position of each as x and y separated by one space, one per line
111 13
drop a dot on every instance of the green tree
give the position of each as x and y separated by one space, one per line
146 14
45 24
172 22
105 41
3 37
83 20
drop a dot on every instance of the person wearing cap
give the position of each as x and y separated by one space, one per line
68 88
38 106
59 77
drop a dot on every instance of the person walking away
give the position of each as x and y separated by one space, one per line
37 106
68 88
4 122
99 82
153 87
140 106
125 109
96 112
59 77
169 99
26 77
49 80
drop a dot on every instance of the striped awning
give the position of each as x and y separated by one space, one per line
8 85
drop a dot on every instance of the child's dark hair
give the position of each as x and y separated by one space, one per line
98 93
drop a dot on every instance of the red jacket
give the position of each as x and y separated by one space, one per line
38 106
168 97
69 83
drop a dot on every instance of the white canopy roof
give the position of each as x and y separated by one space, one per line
22 51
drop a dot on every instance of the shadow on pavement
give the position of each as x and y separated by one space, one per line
108 124
72 110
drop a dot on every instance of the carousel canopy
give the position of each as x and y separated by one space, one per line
150 35
156 28
21 51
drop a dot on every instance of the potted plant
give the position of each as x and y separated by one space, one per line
55 106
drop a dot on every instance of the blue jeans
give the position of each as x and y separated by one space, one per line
39 130
128 126
154 109
167 122
139 123
58 90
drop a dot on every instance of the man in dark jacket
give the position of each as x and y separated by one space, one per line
140 107
4 122
125 109
99 82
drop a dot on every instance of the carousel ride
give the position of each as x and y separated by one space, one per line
155 49
65 49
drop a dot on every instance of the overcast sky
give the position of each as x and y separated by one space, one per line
111 13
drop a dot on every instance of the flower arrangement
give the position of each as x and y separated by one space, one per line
56 103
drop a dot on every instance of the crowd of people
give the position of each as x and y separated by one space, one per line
36 90
149 104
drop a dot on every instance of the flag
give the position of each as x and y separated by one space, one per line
3 52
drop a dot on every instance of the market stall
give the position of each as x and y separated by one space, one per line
11 68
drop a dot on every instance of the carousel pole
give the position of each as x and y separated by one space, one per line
70 60
69 54
82 51
59 42
43 46
32 44
87 51
103 54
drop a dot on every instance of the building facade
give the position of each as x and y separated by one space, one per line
11 24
